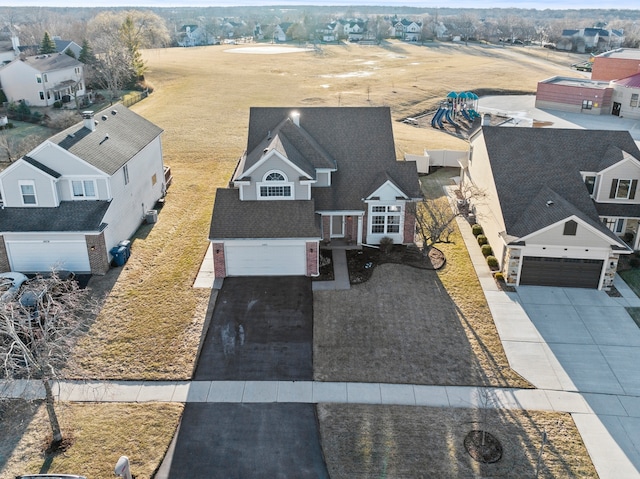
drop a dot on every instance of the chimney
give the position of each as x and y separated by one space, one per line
295 118
88 120
486 120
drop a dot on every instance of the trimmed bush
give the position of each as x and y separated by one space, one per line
482 239
492 261
57 104
386 245
499 276
476 229
486 250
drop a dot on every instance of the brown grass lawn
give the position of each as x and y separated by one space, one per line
150 324
100 433
365 441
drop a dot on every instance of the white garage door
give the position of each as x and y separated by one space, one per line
265 260
39 256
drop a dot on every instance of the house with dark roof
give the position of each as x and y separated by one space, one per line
560 206
79 193
42 80
590 40
311 178
407 30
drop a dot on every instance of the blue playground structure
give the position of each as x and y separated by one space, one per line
463 103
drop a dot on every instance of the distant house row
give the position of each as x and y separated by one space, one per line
586 40
348 29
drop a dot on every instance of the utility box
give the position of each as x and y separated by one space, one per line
127 245
119 254
151 216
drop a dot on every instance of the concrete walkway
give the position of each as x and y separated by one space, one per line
580 341
340 273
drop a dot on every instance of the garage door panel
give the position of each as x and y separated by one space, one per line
39 256
561 272
265 260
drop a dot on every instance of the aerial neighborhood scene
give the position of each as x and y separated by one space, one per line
319 240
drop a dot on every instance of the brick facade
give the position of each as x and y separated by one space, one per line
219 263
351 228
4 257
409 226
607 68
326 228
364 229
312 258
97 249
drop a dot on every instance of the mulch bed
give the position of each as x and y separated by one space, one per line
361 263
326 266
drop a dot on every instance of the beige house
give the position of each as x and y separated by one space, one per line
42 80
626 97
561 206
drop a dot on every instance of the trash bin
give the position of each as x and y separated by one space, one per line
119 254
127 246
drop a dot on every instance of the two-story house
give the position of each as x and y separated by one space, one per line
407 30
42 80
560 206
79 193
311 178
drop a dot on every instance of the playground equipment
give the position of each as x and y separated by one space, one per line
463 103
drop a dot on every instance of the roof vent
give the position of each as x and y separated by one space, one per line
114 112
104 117
549 203
265 151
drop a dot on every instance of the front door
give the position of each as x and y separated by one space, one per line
616 109
337 226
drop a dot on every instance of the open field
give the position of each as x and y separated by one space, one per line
151 323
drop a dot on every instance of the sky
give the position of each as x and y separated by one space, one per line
538 4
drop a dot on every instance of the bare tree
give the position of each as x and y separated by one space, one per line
38 329
434 215
12 147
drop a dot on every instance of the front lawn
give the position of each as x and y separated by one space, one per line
632 278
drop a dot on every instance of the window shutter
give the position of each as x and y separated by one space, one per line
634 187
614 187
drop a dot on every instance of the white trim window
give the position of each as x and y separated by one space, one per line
83 189
385 219
275 186
28 192
623 189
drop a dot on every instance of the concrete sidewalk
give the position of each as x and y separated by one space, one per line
340 274
312 392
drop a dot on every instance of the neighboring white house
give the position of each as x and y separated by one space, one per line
9 50
79 193
561 206
407 30
311 175
41 80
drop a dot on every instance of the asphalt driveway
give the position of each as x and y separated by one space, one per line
248 440
261 329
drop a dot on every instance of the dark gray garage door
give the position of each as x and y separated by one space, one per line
564 272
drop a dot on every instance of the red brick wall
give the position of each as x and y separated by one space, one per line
409 226
4 258
569 98
312 258
350 228
97 249
219 263
607 69
326 228
364 228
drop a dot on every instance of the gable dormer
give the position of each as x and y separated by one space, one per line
618 182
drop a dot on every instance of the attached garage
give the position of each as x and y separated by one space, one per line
31 256
561 272
264 258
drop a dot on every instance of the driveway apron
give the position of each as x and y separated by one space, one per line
261 329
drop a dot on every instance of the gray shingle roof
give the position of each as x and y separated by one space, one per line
70 216
117 138
359 140
51 62
233 218
527 162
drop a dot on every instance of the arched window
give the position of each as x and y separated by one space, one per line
274 185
